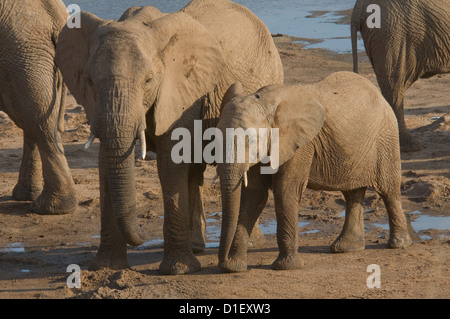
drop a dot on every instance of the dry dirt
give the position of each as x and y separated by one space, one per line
35 250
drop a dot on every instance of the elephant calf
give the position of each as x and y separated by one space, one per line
339 134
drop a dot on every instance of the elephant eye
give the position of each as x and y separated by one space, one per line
148 80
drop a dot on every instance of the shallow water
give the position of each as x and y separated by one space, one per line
424 222
13 248
284 16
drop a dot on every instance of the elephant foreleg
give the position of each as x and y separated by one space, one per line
29 185
174 178
289 184
253 200
196 213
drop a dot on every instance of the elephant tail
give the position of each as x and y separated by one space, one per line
60 86
354 35
62 108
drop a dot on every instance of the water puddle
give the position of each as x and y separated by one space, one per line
270 227
425 222
310 231
13 248
421 222
213 229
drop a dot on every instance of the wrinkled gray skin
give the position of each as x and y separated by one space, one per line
157 72
327 141
413 42
32 94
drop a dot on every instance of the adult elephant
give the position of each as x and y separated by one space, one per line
412 42
158 72
32 94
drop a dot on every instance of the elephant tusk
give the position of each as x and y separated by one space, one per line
143 144
245 179
89 141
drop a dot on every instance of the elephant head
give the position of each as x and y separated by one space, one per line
119 71
298 118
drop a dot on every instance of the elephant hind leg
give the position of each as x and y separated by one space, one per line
398 227
29 184
395 96
352 235
58 194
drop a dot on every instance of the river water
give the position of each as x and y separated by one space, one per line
282 16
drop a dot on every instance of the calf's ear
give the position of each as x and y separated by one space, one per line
237 89
299 117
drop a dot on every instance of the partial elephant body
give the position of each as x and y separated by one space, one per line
357 144
339 134
32 93
157 72
412 43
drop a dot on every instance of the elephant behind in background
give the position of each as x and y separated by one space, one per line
413 42
32 94
339 134
148 74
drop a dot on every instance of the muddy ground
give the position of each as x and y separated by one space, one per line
35 250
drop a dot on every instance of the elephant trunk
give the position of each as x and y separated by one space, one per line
117 178
118 129
231 180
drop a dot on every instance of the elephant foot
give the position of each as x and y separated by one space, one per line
348 243
234 264
23 193
110 261
409 144
179 264
47 204
399 241
289 262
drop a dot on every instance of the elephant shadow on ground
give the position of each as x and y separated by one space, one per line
8 206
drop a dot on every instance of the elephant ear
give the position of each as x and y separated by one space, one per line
193 64
72 55
237 89
299 117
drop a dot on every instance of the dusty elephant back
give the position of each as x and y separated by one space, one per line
360 134
353 97
35 16
226 21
